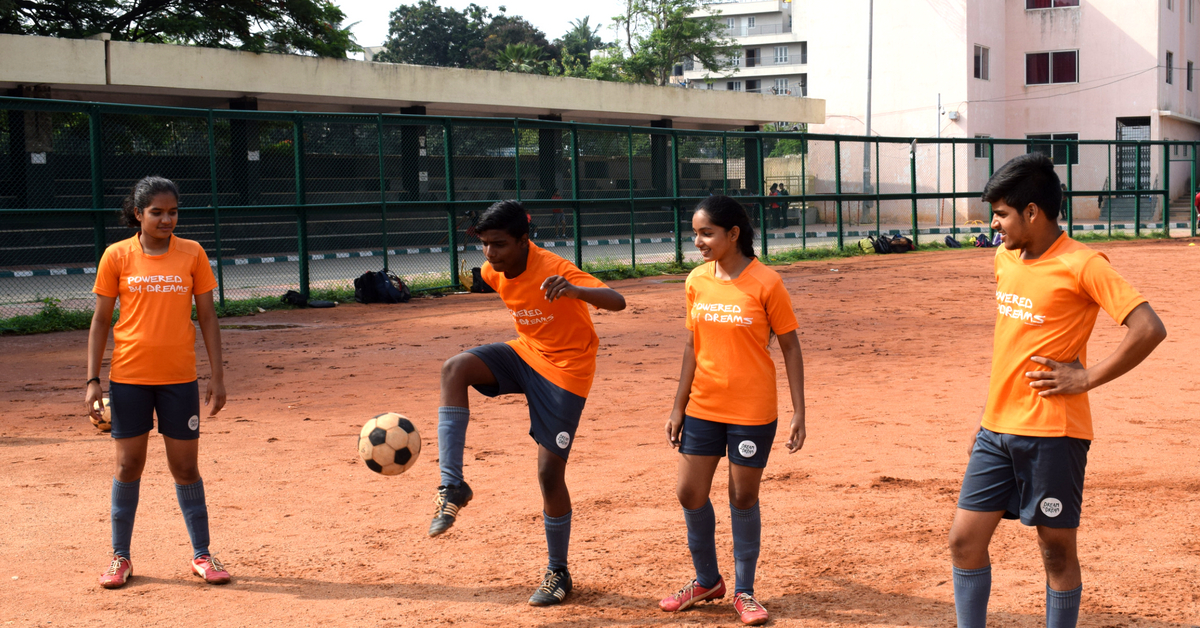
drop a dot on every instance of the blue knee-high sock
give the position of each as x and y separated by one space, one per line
747 540
452 438
702 542
195 515
124 507
1062 607
558 539
972 588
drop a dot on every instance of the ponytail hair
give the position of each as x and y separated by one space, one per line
727 213
142 194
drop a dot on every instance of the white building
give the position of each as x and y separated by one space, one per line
772 56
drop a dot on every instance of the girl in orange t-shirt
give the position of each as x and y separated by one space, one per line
157 276
727 400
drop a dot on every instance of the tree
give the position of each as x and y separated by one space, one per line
427 34
504 31
661 33
311 27
525 58
579 42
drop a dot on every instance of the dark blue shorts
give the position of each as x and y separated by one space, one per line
553 412
1036 478
748 445
134 407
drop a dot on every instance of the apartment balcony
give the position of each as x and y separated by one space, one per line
755 31
740 7
756 68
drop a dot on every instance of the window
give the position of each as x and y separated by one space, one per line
750 22
1170 70
804 85
781 86
1043 68
803 52
781 54
982 149
1189 76
1170 5
734 86
1191 5
736 59
1050 4
1056 152
981 63
752 86
730 22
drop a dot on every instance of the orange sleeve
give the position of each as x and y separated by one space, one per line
779 310
108 275
203 279
488 275
687 314
580 278
1100 281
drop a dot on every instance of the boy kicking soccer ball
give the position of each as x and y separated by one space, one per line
1028 457
551 362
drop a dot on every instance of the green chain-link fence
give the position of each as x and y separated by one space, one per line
302 201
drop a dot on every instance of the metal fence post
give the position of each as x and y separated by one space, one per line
1072 151
837 188
991 171
1166 181
1137 191
632 226
1192 198
301 210
216 205
761 187
878 202
953 188
1112 183
678 232
383 212
575 195
517 156
804 193
95 141
912 177
724 164
448 175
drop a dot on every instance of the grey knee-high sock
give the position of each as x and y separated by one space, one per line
747 540
124 507
972 588
558 539
195 515
1062 607
702 542
452 438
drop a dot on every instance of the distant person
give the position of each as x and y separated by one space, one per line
559 218
783 206
158 276
727 399
774 218
1028 456
1196 204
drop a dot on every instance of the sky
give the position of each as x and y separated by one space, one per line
553 17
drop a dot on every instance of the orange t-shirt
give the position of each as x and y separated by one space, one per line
555 339
1047 307
731 324
154 343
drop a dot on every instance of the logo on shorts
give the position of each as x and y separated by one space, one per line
747 448
562 440
194 423
1051 507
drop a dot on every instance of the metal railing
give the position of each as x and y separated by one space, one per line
311 200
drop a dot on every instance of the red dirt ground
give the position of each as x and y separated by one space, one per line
896 354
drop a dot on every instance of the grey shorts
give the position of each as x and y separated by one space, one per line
553 412
1038 479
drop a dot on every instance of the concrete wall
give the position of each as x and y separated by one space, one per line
51 60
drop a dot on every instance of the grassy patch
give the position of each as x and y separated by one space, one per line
52 317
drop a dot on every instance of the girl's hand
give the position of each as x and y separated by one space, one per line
93 397
796 438
674 427
214 397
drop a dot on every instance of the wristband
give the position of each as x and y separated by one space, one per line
89 382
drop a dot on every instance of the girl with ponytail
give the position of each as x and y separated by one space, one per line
726 402
157 276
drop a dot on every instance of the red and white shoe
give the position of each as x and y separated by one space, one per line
119 571
211 569
748 608
690 595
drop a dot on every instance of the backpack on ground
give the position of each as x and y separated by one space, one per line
881 244
477 282
380 287
952 243
867 245
900 244
982 241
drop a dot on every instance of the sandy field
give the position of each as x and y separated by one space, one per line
897 352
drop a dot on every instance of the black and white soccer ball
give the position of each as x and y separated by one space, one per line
389 444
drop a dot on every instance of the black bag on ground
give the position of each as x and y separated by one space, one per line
900 244
477 282
881 244
952 243
380 287
294 298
